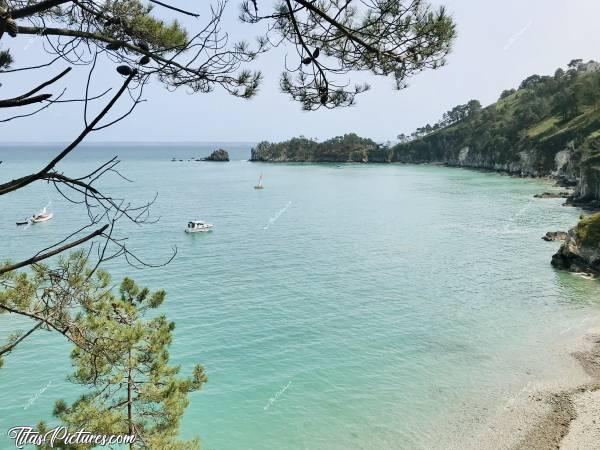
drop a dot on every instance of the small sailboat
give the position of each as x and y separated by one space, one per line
260 183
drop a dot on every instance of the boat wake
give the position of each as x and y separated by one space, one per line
273 219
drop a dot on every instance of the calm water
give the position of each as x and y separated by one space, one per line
380 307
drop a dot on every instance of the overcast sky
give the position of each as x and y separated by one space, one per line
499 43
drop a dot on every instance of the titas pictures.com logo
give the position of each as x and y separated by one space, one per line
25 435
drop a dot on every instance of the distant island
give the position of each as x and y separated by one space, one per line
347 148
218 155
548 127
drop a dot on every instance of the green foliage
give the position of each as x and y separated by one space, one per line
545 115
588 231
131 388
543 127
51 295
507 93
391 38
531 82
120 356
349 147
136 23
455 115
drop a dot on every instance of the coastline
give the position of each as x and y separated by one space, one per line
586 204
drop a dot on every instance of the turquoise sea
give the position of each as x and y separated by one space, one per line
353 307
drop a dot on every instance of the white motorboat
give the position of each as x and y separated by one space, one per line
198 226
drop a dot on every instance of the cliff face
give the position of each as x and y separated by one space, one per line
564 147
564 165
588 187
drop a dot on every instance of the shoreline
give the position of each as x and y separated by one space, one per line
559 411
588 205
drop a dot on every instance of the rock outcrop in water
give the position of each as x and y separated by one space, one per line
581 250
218 155
562 194
555 236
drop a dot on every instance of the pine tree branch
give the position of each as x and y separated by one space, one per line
348 33
26 98
36 8
16 102
41 257
9 348
174 8
45 31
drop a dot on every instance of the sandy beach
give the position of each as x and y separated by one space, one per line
561 412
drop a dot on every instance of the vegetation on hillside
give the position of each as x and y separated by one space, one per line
546 114
349 147
455 115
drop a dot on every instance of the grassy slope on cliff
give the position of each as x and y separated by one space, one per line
545 115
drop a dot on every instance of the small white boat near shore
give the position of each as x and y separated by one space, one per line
198 226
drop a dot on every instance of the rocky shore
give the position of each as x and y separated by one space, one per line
555 236
581 250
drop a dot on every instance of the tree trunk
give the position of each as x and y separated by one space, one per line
129 405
